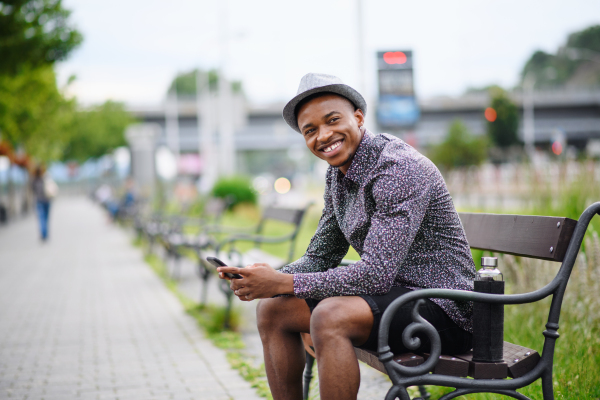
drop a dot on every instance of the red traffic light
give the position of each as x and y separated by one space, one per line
490 114
394 57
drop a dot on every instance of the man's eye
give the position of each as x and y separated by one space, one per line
309 132
334 119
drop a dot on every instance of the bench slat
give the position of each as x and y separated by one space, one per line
452 366
521 235
518 361
485 370
293 216
370 358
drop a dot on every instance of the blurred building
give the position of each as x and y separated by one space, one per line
575 114
264 143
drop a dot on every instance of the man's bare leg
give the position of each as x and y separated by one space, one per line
337 325
279 322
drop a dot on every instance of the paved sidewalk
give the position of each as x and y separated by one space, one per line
83 317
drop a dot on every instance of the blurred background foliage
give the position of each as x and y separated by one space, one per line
502 131
34 34
36 118
570 65
236 190
460 148
184 83
97 131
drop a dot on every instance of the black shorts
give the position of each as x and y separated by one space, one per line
454 339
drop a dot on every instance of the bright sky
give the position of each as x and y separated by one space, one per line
132 49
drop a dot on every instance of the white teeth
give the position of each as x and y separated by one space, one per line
332 147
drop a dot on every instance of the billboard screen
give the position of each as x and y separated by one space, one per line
397 106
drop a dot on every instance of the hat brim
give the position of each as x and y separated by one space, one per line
289 111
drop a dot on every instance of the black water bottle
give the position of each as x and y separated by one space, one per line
488 319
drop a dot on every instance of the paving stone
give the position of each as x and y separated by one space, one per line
85 318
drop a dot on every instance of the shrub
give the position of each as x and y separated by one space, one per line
236 189
459 149
503 129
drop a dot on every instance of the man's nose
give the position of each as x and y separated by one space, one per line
324 134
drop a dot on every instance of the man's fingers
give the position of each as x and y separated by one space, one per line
257 265
223 276
231 270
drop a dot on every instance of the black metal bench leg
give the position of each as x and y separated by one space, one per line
224 285
310 360
424 393
150 245
397 392
547 389
204 294
204 274
227 320
176 266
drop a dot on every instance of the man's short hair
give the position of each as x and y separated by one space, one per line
316 96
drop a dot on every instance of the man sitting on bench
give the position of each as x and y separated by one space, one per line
391 204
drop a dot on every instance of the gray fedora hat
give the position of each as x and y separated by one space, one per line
320 83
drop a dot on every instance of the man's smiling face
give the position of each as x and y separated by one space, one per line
331 129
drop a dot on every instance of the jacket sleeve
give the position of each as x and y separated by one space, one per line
401 195
327 247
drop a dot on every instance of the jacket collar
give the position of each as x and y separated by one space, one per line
361 162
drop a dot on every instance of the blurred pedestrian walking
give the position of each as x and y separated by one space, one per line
44 189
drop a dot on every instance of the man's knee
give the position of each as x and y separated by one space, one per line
341 317
267 312
328 318
283 313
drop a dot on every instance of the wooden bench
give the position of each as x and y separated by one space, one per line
548 238
191 233
227 251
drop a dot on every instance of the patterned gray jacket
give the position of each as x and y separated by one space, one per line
394 209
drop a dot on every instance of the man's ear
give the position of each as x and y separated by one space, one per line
360 117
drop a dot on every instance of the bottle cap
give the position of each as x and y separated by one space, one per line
489 261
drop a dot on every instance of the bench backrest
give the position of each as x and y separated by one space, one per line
531 236
291 216
214 209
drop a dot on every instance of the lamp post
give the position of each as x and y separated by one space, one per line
172 122
528 115
206 130
227 153
361 47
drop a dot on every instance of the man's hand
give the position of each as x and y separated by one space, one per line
259 281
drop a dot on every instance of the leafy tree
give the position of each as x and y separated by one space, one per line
560 68
503 130
459 149
588 38
34 115
185 83
34 33
97 132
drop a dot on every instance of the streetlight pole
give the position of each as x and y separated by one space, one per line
227 151
172 122
205 122
361 47
528 116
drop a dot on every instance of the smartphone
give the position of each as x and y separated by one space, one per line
218 263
